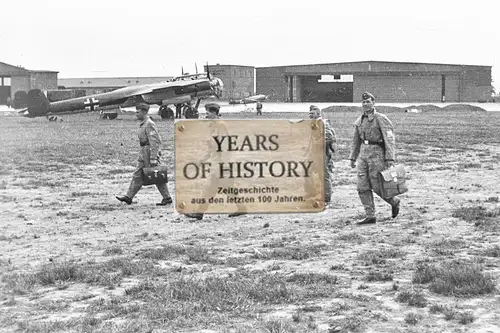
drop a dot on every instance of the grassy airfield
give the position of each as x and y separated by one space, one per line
74 259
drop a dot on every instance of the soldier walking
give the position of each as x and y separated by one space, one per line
213 113
330 141
374 148
259 108
149 156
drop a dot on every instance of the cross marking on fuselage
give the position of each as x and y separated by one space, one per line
90 104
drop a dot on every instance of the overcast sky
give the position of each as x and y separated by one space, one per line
94 38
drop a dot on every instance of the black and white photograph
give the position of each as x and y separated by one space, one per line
249 167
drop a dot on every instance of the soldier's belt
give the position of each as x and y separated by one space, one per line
144 144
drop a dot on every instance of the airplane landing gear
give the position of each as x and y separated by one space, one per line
108 116
54 118
191 113
166 112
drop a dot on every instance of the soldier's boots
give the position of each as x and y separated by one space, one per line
165 201
198 216
368 220
236 214
395 208
125 199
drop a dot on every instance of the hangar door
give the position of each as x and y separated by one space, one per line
4 89
409 88
326 88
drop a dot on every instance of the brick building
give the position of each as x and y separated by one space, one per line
239 81
388 81
14 79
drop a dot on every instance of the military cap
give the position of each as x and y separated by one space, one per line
367 95
313 107
212 107
142 106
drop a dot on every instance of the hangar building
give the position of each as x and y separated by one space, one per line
388 81
14 79
239 81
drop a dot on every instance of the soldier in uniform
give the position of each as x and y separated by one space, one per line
374 148
149 156
330 141
259 108
213 113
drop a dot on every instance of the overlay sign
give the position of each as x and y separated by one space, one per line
249 166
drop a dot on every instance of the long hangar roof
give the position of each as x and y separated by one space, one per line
10 70
375 67
111 82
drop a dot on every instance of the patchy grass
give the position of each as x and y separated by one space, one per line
114 250
37 183
240 293
481 216
350 237
191 254
454 278
379 276
447 246
412 298
291 252
464 318
475 213
493 251
378 257
412 318
79 194
108 273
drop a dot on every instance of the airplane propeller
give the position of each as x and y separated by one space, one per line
208 72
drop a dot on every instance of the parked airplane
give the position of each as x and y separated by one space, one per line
248 100
181 90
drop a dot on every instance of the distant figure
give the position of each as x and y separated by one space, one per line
374 147
149 155
259 108
8 102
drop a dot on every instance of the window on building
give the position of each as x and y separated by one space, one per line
6 81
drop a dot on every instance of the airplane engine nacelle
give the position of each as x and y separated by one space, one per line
177 100
203 86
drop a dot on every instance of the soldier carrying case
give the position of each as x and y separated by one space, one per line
154 175
393 181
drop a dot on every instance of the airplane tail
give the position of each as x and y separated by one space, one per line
38 104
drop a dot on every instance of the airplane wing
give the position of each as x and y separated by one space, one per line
154 87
